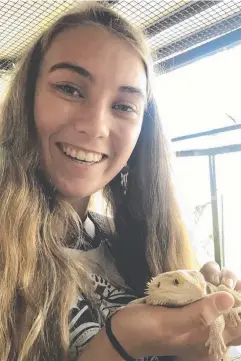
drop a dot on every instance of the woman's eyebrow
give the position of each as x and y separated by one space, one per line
75 68
85 73
131 90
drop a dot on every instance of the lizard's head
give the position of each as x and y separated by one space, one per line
176 288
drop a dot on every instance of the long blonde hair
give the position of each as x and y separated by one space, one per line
38 280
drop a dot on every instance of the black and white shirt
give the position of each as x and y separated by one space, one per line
83 320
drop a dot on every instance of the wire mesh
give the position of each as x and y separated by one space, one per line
172 26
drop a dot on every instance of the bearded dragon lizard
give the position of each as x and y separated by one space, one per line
182 287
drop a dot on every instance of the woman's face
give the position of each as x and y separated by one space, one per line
89 105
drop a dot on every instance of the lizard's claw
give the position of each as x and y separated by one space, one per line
234 316
216 346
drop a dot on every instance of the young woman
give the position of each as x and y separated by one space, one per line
79 117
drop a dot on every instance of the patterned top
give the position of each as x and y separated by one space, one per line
83 320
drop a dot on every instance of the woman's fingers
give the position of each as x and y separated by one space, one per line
238 285
211 272
228 278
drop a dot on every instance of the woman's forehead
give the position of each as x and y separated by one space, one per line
99 51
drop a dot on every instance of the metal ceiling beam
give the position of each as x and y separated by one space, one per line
207 132
211 47
181 14
232 148
218 29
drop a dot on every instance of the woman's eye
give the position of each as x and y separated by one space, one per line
69 90
124 108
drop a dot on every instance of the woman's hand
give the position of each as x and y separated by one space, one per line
145 330
212 273
156 331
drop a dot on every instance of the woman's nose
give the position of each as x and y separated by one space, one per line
94 121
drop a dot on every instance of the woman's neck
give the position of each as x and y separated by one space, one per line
80 206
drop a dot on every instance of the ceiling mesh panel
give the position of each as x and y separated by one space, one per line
172 26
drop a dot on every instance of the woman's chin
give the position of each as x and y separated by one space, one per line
73 193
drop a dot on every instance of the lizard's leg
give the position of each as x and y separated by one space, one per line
225 358
234 315
215 341
139 300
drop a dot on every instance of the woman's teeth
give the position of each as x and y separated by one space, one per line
81 155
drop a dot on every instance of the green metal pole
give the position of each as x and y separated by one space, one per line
218 251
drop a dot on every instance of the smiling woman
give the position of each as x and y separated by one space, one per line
86 108
79 117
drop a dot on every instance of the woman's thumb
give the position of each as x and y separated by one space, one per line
223 301
205 311
202 313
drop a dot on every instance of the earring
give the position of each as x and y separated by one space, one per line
124 178
52 185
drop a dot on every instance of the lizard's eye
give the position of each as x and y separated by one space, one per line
176 282
159 284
